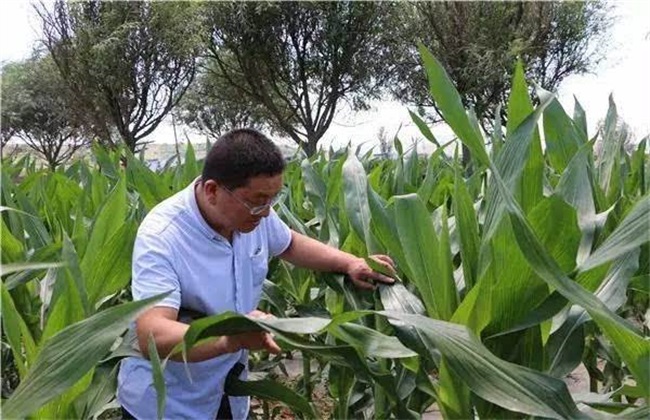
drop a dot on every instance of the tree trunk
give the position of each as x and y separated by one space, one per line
51 163
310 146
129 141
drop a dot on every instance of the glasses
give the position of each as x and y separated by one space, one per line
257 210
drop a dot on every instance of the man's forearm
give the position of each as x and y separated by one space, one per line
168 333
312 254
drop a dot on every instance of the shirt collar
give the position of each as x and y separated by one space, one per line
204 227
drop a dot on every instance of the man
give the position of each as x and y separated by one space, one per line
209 245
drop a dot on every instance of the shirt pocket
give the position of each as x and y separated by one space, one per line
259 261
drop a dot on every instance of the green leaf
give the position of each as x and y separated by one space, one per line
385 230
372 343
612 143
69 302
107 161
286 332
158 377
508 385
69 355
635 413
190 167
565 345
110 218
17 333
99 393
424 128
580 120
12 248
431 179
511 162
576 189
449 104
149 185
553 304
561 136
317 192
341 382
467 228
630 234
274 295
422 253
110 270
40 256
25 219
519 107
6 269
270 390
631 346
356 200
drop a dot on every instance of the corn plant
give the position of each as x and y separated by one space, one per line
509 276
66 249
531 253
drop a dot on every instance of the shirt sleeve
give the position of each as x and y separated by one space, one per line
278 233
153 270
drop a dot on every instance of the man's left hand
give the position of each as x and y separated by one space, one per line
362 275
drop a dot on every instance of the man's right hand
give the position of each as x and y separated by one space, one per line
259 340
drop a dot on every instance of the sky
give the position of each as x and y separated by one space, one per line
625 74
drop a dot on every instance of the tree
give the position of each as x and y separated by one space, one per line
213 107
479 42
35 109
126 63
300 60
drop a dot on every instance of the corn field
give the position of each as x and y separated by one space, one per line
511 273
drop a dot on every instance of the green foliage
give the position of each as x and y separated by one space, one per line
125 64
35 109
299 60
507 279
477 43
213 107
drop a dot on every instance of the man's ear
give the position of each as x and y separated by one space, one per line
211 188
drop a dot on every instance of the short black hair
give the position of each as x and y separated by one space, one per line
239 155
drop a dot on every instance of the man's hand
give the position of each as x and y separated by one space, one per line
259 340
362 275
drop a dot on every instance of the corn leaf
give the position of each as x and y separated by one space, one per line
190 167
69 355
384 229
519 107
424 128
99 393
508 385
631 346
17 333
630 234
565 345
451 107
110 218
110 270
356 200
467 228
157 369
269 389
422 252
561 136
69 302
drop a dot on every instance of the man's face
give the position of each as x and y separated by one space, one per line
244 207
